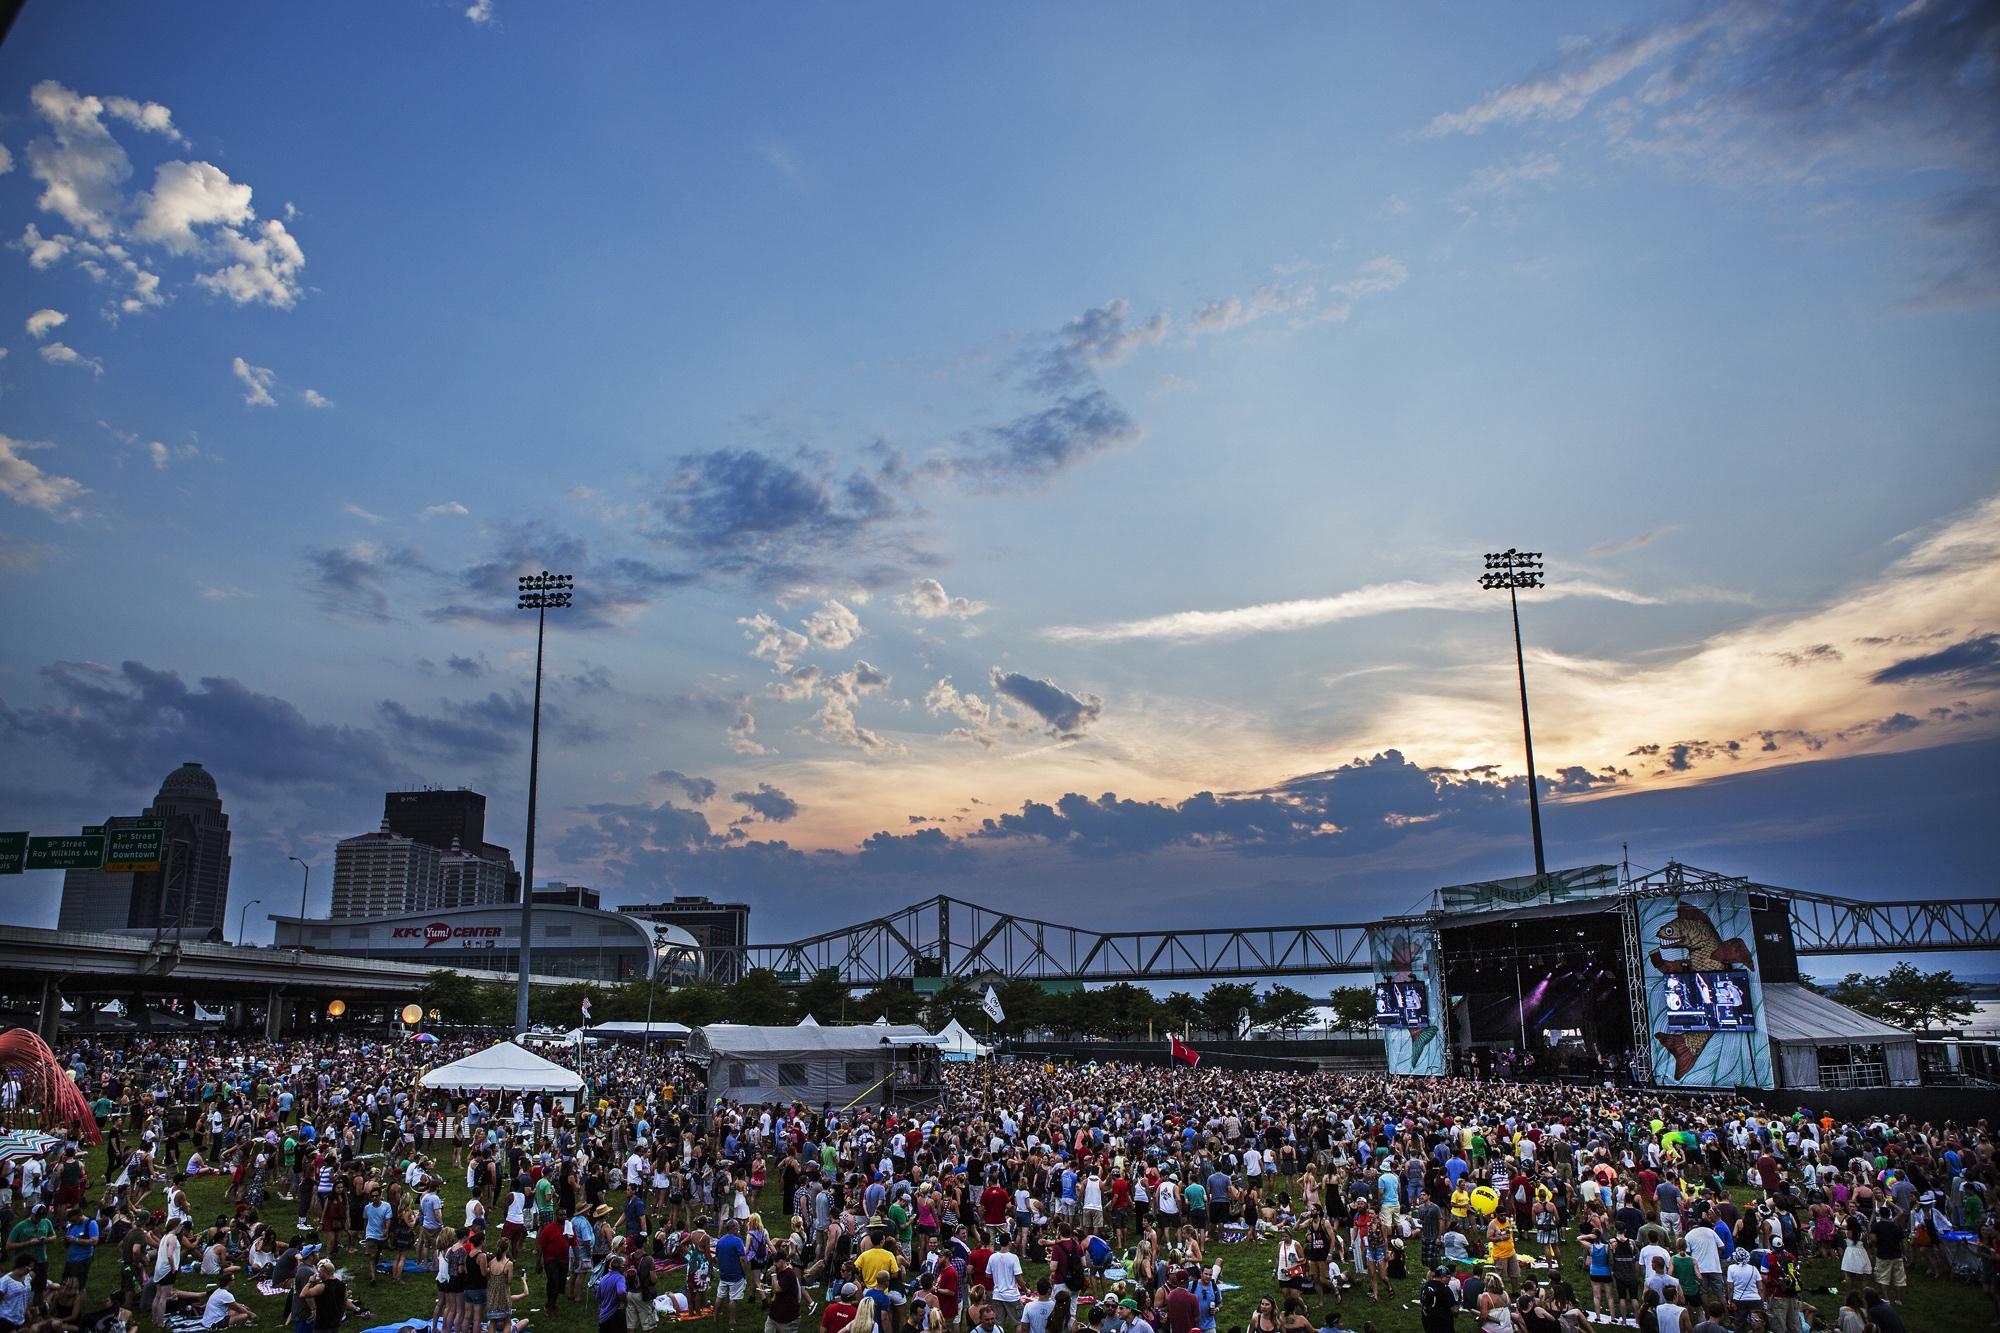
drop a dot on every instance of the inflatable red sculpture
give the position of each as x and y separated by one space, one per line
45 1085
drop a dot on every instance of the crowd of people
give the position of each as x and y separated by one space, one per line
1134 1195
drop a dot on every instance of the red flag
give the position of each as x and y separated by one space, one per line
1183 1052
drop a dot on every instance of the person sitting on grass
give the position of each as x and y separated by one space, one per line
222 1309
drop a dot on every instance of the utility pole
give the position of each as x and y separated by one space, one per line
539 593
1512 569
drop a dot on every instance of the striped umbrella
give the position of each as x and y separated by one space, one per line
18 1143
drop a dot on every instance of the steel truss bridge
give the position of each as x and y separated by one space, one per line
946 937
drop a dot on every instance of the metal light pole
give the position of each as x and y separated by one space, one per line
303 889
242 920
1512 569
539 593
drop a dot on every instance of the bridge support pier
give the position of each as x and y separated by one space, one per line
49 1025
274 1015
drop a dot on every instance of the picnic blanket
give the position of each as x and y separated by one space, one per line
393 1328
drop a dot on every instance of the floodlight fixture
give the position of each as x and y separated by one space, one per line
1514 570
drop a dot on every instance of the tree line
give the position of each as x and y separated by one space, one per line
1116 1011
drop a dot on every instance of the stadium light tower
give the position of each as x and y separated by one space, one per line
540 593
1512 569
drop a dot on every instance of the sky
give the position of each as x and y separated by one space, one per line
1037 453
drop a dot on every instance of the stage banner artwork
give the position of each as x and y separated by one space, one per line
1557 886
1405 961
1704 997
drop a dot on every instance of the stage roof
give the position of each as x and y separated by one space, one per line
1798 1015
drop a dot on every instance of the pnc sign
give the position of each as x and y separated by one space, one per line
443 932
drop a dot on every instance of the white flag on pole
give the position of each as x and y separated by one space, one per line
991 1004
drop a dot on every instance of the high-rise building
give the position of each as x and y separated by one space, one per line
466 880
383 874
447 818
719 928
188 893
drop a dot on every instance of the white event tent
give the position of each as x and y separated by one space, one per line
503 1068
955 1043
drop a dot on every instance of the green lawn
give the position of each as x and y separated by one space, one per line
1935 1306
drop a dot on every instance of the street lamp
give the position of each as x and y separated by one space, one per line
242 919
540 593
303 889
1512 570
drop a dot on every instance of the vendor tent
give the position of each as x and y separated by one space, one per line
801 1064
1817 1043
503 1068
955 1043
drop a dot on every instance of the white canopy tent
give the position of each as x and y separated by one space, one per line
955 1043
1803 1024
503 1068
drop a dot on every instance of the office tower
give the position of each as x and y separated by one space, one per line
447 818
383 874
467 880
188 894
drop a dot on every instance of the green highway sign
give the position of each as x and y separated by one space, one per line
149 823
791 975
133 848
90 829
74 853
13 852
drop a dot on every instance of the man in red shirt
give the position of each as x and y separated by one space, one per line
1183 1310
975 1268
1121 1206
553 1241
994 1205
946 1290
839 1314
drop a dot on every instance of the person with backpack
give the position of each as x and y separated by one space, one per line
1435 1303
1781 1290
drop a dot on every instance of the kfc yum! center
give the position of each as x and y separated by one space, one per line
579 942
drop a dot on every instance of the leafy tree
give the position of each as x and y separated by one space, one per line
1181 1009
826 998
1125 1010
956 1000
1353 1008
891 1002
562 1006
1221 1003
460 999
1285 1009
1916 1001
759 998
1026 1006
1075 1013
695 1004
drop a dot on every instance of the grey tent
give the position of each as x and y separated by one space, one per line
813 1065
1816 1043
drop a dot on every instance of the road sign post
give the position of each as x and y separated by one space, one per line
81 852
133 848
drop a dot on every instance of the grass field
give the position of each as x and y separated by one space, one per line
1934 1306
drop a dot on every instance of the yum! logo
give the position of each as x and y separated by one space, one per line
437 932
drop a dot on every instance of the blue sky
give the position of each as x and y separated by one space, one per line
953 417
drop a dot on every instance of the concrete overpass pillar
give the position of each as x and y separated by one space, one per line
274 1015
50 1024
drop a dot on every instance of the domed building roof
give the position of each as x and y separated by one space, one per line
189 781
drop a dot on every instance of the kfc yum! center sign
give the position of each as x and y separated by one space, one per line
443 932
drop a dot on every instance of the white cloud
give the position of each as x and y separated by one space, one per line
6 160
356 511
223 592
62 354
928 600
480 11
186 195
1511 176
193 210
257 380
25 484
775 642
449 507
314 398
836 715
42 321
1899 660
834 626
1382 274
1375 600
986 725
1562 96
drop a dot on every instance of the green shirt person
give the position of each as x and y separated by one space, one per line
31 1234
